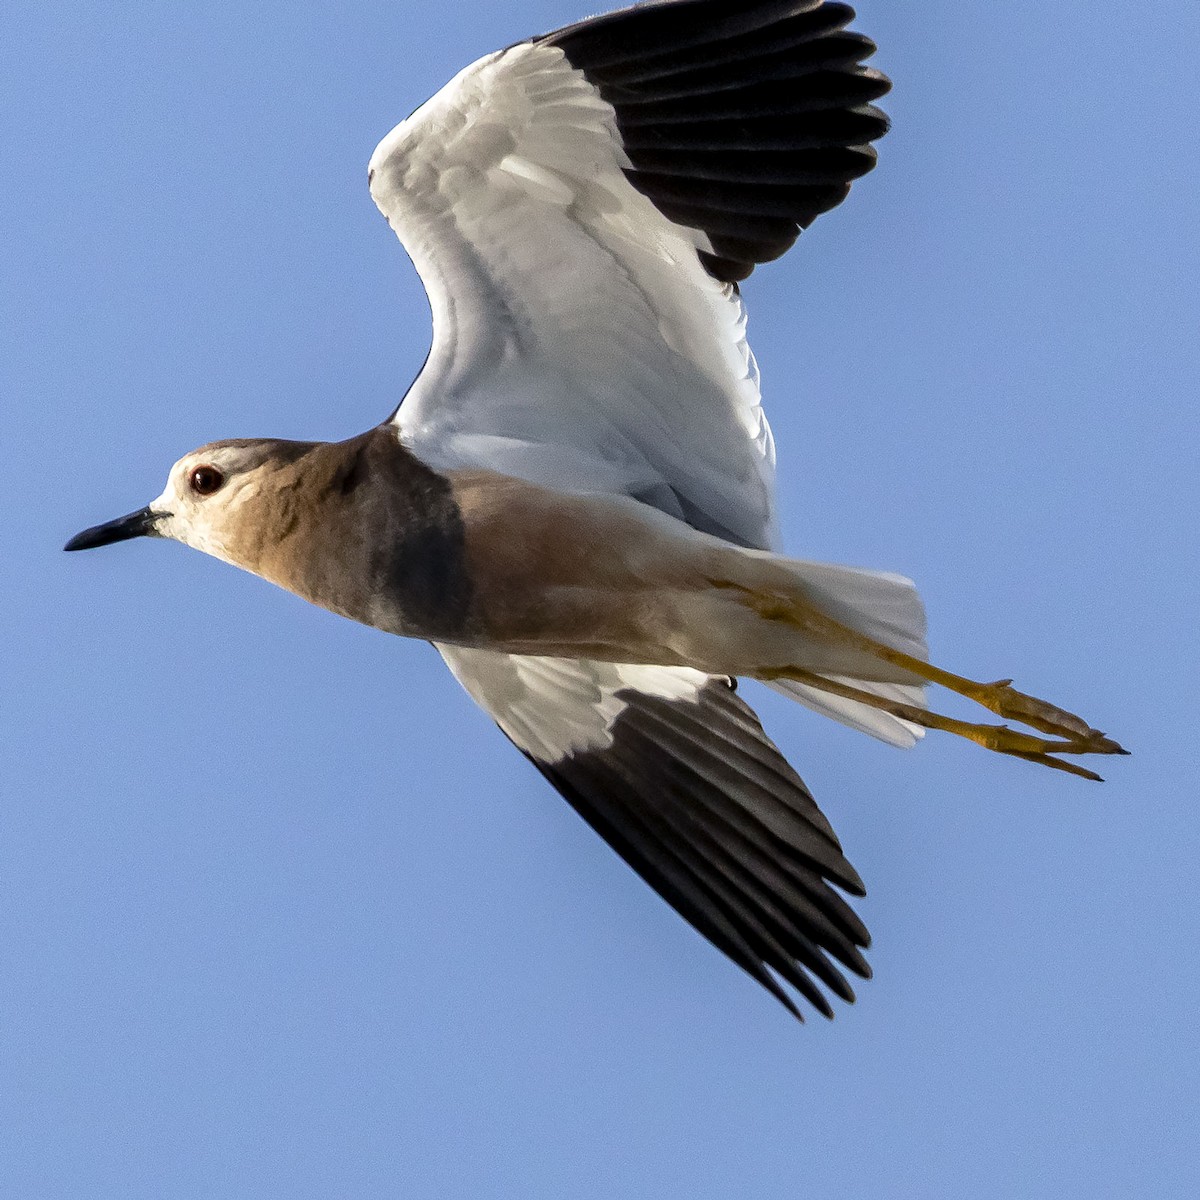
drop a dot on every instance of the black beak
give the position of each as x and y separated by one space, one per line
142 523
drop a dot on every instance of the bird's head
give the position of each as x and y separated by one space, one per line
208 502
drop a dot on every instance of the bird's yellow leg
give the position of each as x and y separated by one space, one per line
999 738
1000 698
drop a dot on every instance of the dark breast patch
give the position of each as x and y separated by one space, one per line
422 560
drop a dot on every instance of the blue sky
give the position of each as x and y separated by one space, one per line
282 916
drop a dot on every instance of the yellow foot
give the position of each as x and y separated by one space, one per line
1003 740
1005 701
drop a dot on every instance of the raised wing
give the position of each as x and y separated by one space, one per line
580 207
673 770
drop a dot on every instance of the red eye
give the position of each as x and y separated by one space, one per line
205 480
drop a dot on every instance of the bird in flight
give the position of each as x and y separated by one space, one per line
575 500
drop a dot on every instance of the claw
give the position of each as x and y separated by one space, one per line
1104 745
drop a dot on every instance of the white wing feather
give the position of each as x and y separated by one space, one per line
578 341
553 708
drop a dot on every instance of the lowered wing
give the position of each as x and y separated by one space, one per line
674 771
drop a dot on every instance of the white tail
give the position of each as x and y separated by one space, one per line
893 730
886 608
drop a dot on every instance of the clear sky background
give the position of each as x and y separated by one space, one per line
282 915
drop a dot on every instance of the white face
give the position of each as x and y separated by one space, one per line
204 493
